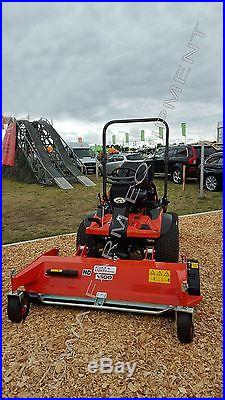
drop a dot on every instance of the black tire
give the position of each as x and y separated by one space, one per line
211 183
177 176
167 246
82 237
18 307
185 327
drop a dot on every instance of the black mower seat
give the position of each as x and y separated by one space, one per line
147 195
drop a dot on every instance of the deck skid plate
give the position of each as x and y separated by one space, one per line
126 306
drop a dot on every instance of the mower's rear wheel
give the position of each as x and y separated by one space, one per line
18 307
185 327
82 237
167 245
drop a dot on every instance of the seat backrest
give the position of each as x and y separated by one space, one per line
117 190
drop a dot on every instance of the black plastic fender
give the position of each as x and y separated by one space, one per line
193 278
167 220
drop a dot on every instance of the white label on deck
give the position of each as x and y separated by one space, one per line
104 277
104 269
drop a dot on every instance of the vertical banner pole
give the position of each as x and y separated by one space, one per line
184 177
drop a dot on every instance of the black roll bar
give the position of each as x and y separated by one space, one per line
128 121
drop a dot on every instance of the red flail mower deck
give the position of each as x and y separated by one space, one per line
144 286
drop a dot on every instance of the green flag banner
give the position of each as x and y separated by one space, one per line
113 139
127 137
96 148
183 129
161 132
142 135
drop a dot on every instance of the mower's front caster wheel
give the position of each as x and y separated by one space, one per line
185 327
18 307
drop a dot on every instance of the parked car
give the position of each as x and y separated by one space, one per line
134 156
86 156
213 172
189 155
117 160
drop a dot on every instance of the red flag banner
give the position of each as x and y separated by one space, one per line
9 145
4 121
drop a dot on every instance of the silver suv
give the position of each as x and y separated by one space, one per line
116 160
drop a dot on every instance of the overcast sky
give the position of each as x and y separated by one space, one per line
82 64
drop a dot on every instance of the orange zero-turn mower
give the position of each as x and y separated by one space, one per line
127 256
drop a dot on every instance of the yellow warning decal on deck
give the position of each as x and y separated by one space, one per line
159 275
194 265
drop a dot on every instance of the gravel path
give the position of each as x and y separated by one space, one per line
47 356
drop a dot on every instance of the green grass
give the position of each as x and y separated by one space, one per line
31 211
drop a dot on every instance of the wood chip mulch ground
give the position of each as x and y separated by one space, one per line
47 356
